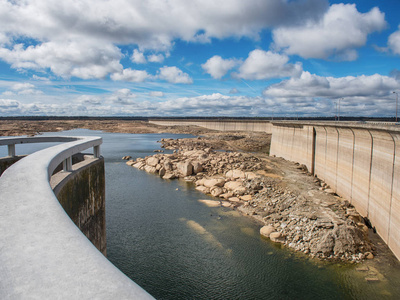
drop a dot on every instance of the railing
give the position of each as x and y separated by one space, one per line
43 255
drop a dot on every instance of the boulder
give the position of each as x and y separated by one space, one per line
235 174
185 168
197 167
169 175
216 191
130 162
211 203
139 165
150 169
152 161
267 230
203 189
162 172
276 237
233 185
234 199
246 198
226 195
251 175
214 182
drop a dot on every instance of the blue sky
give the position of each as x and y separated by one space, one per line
199 58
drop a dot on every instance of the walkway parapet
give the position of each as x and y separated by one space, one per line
43 255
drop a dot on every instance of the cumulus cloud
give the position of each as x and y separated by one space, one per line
311 94
84 60
394 42
311 85
156 94
156 58
341 30
174 75
234 91
138 57
266 65
60 38
131 75
217 67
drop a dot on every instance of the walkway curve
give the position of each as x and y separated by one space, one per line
43 255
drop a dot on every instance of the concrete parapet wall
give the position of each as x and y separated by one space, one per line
43 255
360 163
222 125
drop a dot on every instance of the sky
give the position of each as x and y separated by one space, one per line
253 58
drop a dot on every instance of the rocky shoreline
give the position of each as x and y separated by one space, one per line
309 218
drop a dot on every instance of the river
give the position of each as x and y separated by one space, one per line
175 247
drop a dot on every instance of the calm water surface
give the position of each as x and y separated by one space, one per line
175 247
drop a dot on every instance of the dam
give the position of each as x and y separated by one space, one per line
358 160
286 129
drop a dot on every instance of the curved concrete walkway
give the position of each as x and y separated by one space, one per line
43 255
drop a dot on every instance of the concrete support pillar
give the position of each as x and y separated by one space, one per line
67 165
96 151
11 150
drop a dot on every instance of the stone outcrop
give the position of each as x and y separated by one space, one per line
327 228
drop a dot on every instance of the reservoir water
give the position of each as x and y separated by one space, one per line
175 247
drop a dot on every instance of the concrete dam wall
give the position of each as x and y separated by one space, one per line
360 163
221 125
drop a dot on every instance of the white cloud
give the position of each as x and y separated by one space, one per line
311 85
138 57
156 94
156 58
80 59
131 75
77 38
174 75
234 91
266 65
22 86
217 67
338 33
7 103
394 41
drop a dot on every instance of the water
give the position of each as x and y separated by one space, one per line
175 247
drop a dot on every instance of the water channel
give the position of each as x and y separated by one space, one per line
175 247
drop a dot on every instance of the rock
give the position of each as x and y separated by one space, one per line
214 182
216 191
210 203
226 204
235 174
167 165
185 168
152 161
267 230
203 189
245 198
130 162
162 172
368 255
127 157
197 167
169 176
226 195
330 191
139 165
233 185
234 199
276 237
150 169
